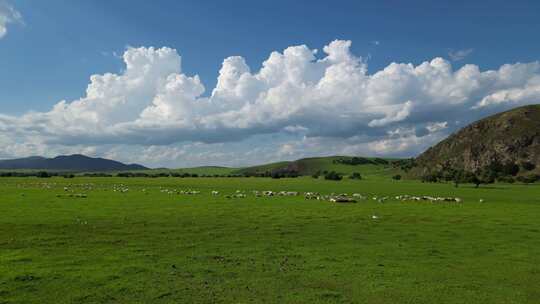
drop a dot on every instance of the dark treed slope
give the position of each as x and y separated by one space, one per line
506 139
74 162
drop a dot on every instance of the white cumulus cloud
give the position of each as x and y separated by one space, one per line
328 102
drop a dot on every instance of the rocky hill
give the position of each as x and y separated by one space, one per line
74 162
510 139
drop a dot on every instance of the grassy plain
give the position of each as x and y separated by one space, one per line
153 247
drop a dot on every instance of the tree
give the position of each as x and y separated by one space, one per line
316 174
510 169
333 175
355 175
430 178
488 177
506 179
448 174
528 165
459 177
528 179
476 181
483 177
43 174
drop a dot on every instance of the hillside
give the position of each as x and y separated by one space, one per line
201 171
508 139
74 162
341 164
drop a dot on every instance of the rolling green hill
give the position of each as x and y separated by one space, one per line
203 170
367 167
345 165
341 164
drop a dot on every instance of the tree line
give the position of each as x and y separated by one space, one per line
496 171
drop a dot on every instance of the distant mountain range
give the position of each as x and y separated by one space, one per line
74 162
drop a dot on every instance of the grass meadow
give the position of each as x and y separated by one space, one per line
145 245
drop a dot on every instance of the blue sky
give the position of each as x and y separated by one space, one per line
49 53
61 43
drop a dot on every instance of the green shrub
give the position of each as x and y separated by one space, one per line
506 179
528 165
356 176
43 174
528 179
333 175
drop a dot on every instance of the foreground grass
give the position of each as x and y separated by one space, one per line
153 247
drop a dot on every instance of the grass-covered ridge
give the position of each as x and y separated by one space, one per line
309 166
203 170
371 167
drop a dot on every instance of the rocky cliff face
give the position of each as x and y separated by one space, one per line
508 137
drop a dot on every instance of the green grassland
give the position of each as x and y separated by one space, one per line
148 246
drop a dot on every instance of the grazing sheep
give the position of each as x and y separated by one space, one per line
311 195
342 199
359 196
268 193
428 198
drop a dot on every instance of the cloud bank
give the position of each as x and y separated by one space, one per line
301 102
